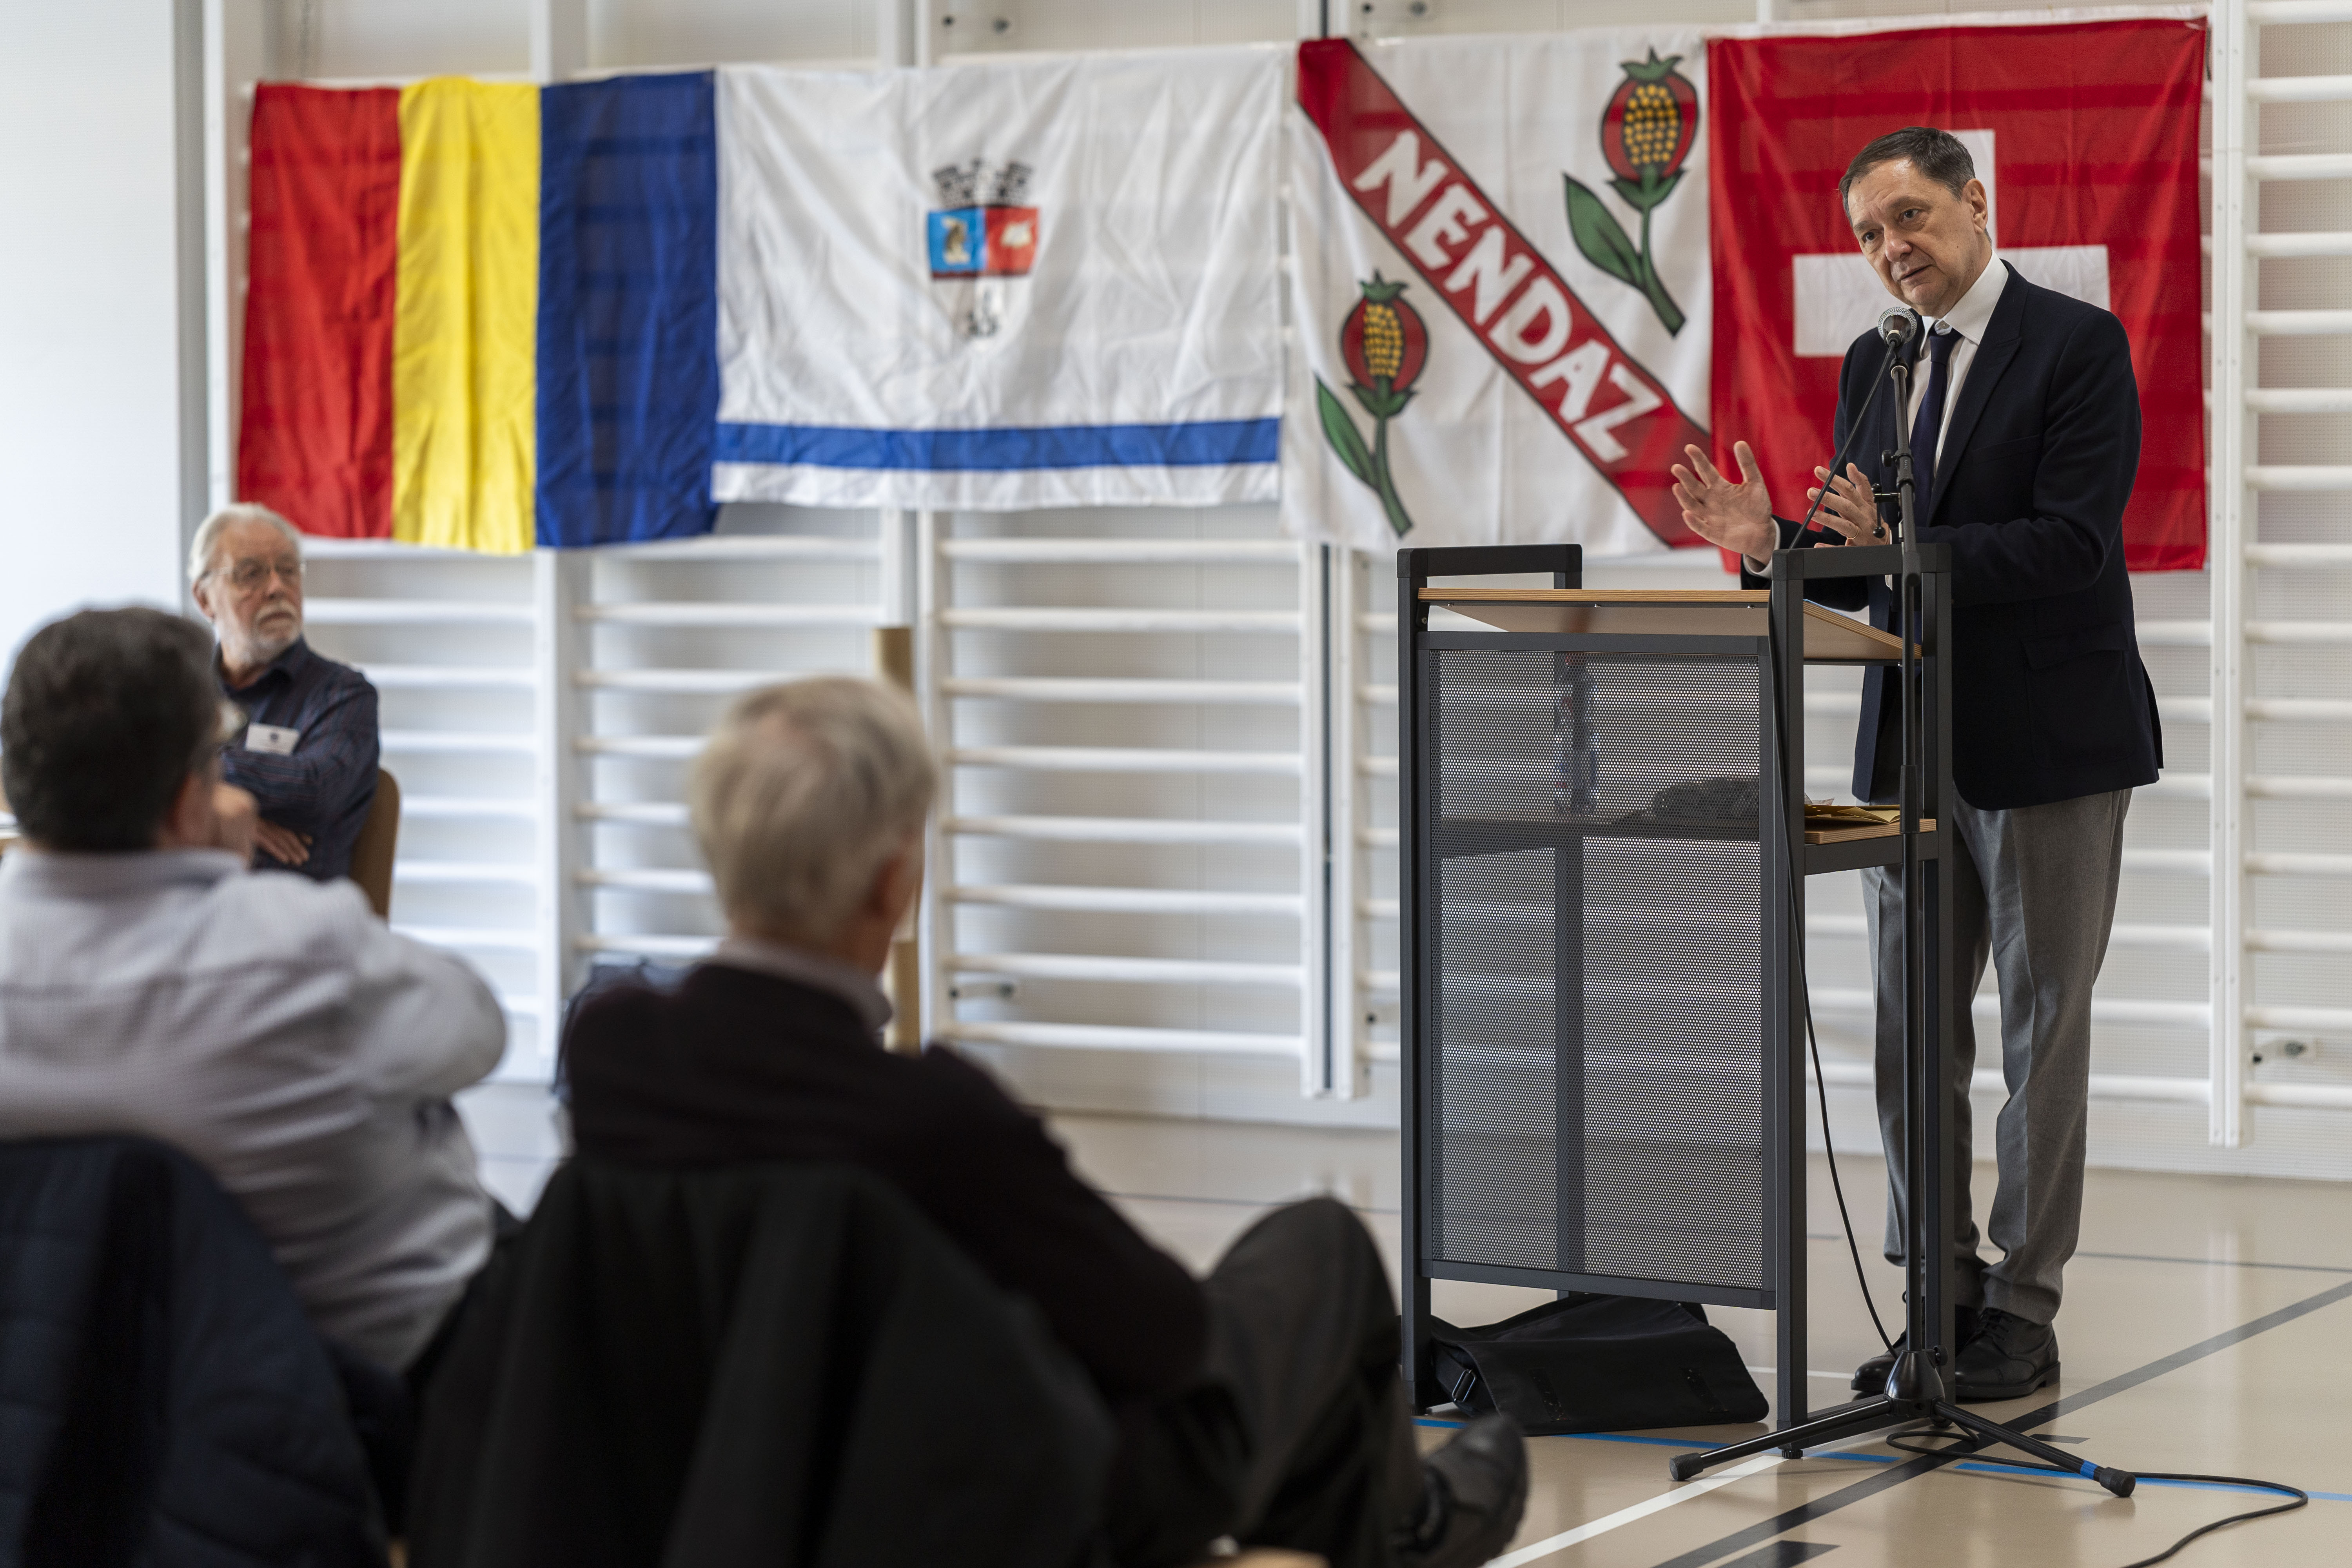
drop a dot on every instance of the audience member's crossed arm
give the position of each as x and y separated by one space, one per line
302 787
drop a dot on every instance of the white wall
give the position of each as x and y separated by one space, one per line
95 367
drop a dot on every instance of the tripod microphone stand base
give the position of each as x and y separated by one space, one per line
1915 1392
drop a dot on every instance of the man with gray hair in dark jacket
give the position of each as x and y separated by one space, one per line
1261 1403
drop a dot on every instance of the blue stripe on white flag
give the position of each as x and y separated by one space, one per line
628 309
1206 443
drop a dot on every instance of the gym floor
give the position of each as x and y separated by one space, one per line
2204 1330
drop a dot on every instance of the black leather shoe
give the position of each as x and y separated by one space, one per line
2008 1360
1477 1489
1871 1376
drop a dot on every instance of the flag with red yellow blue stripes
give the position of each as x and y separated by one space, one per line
482 315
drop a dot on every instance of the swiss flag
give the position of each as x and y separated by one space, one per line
2085 137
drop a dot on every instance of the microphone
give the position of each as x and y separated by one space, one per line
1897 326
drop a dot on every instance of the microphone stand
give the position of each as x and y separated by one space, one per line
1921 1386
1928 1321
1854 434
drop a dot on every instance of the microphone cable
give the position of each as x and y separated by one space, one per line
1805 992
1962 1443
1796 866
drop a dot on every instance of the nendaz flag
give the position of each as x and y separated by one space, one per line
1003 285
1501 290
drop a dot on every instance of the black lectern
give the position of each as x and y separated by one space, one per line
1601 813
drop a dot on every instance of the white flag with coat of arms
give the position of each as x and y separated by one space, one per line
1501 288
1002 284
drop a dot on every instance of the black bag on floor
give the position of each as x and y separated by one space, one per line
1598 1364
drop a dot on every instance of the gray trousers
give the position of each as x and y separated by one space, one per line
2034 891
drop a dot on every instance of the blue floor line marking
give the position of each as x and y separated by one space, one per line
1991 1468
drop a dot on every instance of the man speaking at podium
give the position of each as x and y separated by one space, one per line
2024 421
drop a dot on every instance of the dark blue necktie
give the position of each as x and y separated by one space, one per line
1930 422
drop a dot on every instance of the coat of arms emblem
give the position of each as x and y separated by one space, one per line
982 229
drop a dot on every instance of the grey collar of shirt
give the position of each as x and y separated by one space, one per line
813 969
72 874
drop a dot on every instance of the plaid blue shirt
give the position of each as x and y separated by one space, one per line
325 786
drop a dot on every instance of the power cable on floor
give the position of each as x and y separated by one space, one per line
1899 1438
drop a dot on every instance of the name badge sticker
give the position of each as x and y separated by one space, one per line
276 740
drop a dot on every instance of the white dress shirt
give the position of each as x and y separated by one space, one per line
1968 318
274 1030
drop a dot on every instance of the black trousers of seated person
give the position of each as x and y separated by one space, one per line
1297 1434
384 1405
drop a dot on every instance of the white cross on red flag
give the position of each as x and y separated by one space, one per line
2085 136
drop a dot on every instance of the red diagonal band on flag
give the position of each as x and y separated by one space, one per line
1625 423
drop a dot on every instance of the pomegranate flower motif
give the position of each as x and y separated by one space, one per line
1646 132
1648 128
1383 343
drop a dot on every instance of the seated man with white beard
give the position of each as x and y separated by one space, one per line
307 753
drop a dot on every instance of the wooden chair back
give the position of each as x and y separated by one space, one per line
378 836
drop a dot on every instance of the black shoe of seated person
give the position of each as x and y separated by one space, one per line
1871 1376
1475 1489
2008 1360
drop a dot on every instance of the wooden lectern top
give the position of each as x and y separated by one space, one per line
1829 637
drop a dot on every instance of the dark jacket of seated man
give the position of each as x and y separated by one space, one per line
1261 1403
769 1054
309 755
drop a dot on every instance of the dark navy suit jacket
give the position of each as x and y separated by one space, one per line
2050 700
325 787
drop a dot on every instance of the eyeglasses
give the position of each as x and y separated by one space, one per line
246 575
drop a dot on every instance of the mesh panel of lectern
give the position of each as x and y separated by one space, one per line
1596 1012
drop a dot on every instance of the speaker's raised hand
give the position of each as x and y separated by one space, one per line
1735 514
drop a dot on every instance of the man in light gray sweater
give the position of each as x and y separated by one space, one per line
270 1028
